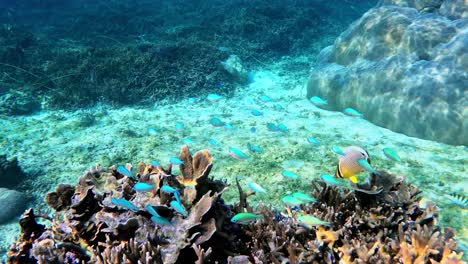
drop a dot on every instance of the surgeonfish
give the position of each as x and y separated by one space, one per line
348 165
310 221
143 187
256 187
391 154
352 112
237 154
124 203
246 218
317 101
178 207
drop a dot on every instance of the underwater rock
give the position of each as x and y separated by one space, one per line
18 103
12 202
404 69
10 172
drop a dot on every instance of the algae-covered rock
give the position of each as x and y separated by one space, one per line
404 67
12 202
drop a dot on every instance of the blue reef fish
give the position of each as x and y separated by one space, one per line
143 187
348 165
151 210
253 130
303 197
338 150
282 127
352 112
278 107
309 221
124 203
192 100
237 154
265 98
171 190
122 170
391 154
213 142
155 163
246 218
254 148
289 174
178 207
216 122
214 97
291 200
329 179
152 131
228 126
256 187
366 166
161 221
175 161
272 127
256 112
188 140
218 84
179 127
317 101
313 141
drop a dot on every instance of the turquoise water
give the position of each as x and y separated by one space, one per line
114 83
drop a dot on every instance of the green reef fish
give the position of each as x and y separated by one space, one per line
192 100
329 179
143 187
161 221
289 174
317 101
303 197
179 127
175 161
155 163
216 122
212 97
228 126
338 150
254 148
272 127
256 112
237 154
290 200
352 112
278 107
178 207
151 210
391 154
310 221
122 202
213 142
152 131
171 190
188 140
124 171
246 218
283 128
265 98
256 187
366 166
313 141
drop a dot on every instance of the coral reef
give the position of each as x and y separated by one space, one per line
108 218
396 53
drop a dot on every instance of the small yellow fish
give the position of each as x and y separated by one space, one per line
348 165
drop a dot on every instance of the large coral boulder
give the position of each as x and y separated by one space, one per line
404 65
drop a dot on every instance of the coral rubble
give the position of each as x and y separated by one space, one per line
105 219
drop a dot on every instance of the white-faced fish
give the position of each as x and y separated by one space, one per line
237 154
152 131
329 179
348 165
179 127
290 200
246 218
313 141
216 122
317 101
289 174
178 207
352 112
303 197
256 187
391 154
337 150
161 221
213 142
143 187
124 171
175 161
366 166
124 203
310 221
256 112
151 210
212 97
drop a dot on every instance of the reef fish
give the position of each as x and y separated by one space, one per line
352 112
256 112
265 98
310 221
327 178
278 107
228 126
216 122
152 131
253 130
212 97
366 166
246 218
143 187
124 171
179 127
338 150
254 148
151 210
317 101
155 163
160 220
171 190
391 154
237 154
213 142
303 197
256 187
175 161
348 165
313 141
188 140
272 127
291 200
178 207
124 203
283 128
289 174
